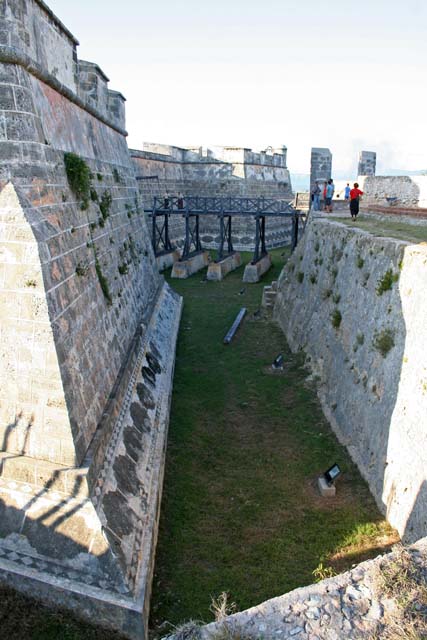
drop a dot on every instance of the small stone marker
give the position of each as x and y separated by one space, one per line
230 335
326 490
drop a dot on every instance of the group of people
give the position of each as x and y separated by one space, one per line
323 191
322 194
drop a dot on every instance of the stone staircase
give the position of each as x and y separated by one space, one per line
269 297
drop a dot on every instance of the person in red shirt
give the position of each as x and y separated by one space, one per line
355 194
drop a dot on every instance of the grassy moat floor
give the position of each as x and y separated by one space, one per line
240 510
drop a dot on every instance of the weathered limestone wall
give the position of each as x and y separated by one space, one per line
88 331
220 171
356 305
403 191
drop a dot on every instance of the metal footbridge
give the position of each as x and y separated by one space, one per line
225 208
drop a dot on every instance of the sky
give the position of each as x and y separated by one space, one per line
347 75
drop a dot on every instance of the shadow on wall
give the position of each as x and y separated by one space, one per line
53 536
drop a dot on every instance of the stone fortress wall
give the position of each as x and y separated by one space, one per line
88 331
216 171
356 305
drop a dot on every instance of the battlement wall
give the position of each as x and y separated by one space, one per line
356 304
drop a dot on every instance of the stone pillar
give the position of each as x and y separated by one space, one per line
367 163
321 165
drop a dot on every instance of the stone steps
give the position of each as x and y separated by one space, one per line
269 296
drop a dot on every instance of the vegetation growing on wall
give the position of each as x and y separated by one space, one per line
384 341
336 318
105 204
79 177
386 282
103 282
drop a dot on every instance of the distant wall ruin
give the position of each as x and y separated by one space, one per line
395 191
88 331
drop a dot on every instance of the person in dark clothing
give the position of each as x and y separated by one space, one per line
355 194
180 201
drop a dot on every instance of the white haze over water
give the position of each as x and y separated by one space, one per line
343 75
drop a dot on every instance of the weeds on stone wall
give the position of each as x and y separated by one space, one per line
360 262
100 177
384 341
81 270
336 298
322 572
386 282
105 204
103 282
300 276
326 294
94 195
313 278
79 177
336 318
31 283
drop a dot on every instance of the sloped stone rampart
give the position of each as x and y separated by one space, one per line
356 305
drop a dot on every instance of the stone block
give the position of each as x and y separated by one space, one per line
218 270
254 272
326 490
185 268
167 260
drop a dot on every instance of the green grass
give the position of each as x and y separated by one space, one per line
387 228
240 511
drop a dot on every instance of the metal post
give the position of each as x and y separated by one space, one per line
221 238
153 220
263 248
230 241
256 250
294 237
